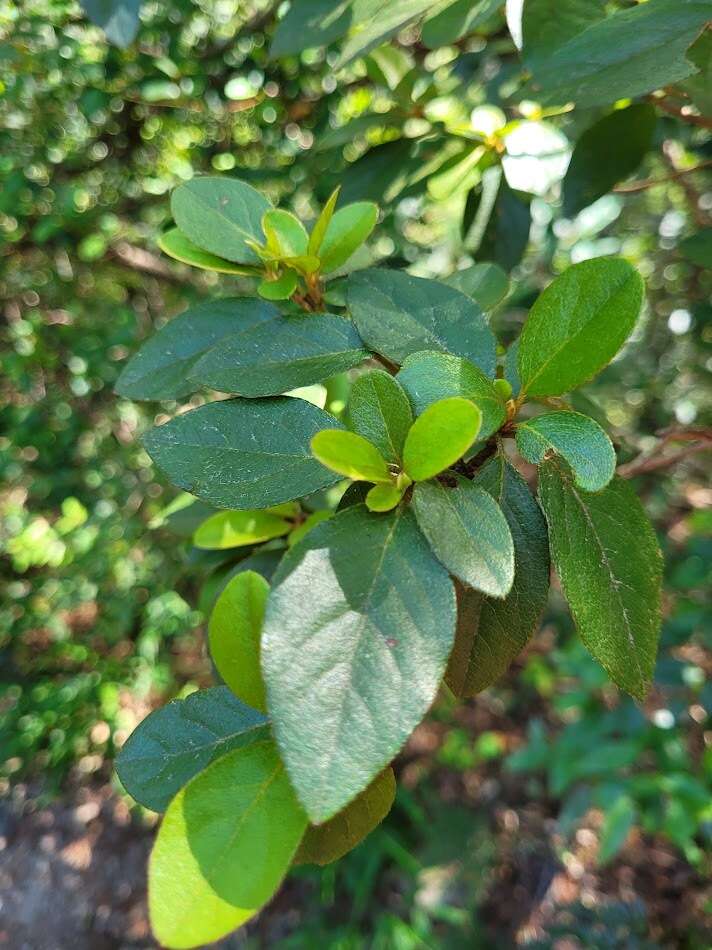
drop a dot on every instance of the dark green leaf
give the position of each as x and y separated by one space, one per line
379 411
397 315
607 152
467 531
440 436
578 325
607 557
618 821
698 248
243 454
283 354
429 377
310 23
117 18
491 632
352 668
487 284
323 844
219 215
501 222
176 742
224 845
576 438
162 367
699 86
547 24
373 23
457 19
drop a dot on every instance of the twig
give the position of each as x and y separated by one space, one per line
682 113
645 183
700 441
137 258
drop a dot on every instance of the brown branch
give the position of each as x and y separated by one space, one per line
645 183
700 440
137 258
682 113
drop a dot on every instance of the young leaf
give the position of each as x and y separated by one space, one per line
607 557
176 245
284 234
429 377
578 324
161 368
234 529
469 534
289 352
486 283
219 215
577 439
440 436
242 454
322 223
225 843
324 844
492 632
234 634
379 411
278 288
179 740
607 152
397 315
351 455
346 231
352 668
384 497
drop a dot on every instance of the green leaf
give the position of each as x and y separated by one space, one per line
699 86
469 534
284 354
429 377
458 174
310 23
176 245
498 221
224 845
440 436
179 740
351 455
578 324
373 23
626 55
607 152
311 521
577 439
279 288
284 233
346 231
379 410
219 215
491 632
234 634
353 667
242 454
385 497
617 823
324 844
162 367
322 223
607 557
449 24
698 248
397 315
234 529
547 24
511 368
487 284
119 19
389 66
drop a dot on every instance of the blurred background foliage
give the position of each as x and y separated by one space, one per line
549 791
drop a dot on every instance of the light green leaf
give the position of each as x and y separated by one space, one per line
351 455
324 844
219 215
384 497
607 557
457 175
234 632
176 245
578 324
162 367
353 667
241 454
577 439
224 846
397 315
279 288
486 283
491 632
346 231
322 223
179 740
234 529
440 436
379 410
468 532
698 248
295 350
451 21
429 377
607 152
284 234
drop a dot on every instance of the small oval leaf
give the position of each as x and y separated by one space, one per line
351 455
440 436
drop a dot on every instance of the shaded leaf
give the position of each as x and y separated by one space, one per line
457 19
119 19
379 410
698 248
486 283
577 439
